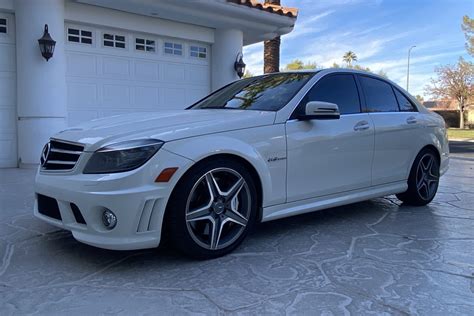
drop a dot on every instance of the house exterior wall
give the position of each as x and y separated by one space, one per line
41 85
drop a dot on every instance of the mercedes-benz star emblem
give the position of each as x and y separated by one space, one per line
45 154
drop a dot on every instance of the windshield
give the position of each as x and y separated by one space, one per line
263 93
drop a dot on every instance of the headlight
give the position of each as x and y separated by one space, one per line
123 156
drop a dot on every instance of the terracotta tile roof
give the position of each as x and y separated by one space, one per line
272 8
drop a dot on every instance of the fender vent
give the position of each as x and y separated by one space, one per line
77 214
149 217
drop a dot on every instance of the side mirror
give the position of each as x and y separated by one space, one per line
318 110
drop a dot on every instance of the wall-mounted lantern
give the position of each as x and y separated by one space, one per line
239 65
46 44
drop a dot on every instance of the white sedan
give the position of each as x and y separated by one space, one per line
256 150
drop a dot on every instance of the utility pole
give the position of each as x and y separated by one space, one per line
408 68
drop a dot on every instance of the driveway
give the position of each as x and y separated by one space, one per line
367 258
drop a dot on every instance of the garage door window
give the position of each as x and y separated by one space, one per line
145 45
173 48
79 36
113 40
3 25
198 51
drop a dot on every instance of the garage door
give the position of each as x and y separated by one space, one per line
8 145
112 72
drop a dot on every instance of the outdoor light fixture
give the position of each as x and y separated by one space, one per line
239 65
46 44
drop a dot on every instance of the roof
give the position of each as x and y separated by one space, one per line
272 8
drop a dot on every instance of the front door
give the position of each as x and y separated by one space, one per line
330 156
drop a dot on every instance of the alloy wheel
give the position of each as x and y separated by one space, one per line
427 177
218 208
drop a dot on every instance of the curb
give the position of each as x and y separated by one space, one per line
468 140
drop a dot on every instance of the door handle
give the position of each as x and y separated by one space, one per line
361 126
411 120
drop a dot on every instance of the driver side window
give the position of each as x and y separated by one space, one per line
340 89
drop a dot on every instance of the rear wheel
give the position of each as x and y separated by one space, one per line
423 180
212 209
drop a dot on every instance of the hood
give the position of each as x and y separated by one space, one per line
164 125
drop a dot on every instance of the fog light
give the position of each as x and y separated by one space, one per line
109 219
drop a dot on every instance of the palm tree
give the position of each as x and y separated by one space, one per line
271 50
349 57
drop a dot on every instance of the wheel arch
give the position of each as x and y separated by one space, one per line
230 156
433 148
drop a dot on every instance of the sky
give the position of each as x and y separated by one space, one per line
380 32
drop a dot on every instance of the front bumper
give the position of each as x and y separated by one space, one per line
138 202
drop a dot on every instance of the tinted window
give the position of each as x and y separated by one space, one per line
404 104
338 89
264 93
378 95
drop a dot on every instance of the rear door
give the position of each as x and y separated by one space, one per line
397 130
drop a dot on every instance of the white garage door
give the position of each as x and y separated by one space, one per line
8 145
111 72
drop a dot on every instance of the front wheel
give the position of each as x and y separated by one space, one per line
212 209
423 180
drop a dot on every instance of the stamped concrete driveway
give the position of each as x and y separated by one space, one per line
375 257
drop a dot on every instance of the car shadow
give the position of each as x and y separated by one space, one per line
264 234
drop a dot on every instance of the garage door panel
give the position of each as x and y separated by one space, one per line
116 95
81 65
147 71
80 94
8 120
198 75
9 146
116 68
7 89
174 73
146 97
173 98
7 57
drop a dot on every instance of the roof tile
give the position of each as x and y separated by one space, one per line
272 8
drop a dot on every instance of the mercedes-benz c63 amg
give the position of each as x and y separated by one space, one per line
256 150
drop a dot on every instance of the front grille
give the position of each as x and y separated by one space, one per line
60 155
48 206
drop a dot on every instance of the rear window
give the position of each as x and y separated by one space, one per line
379 95
264 93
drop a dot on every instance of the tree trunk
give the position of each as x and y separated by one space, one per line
461 119
271 51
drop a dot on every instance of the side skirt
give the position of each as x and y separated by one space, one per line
310 205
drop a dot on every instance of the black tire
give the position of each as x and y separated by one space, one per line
193 237
423 180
